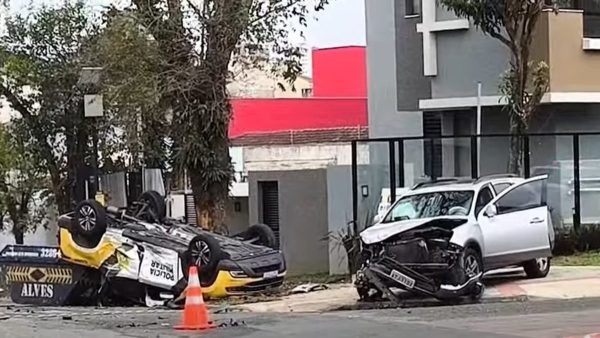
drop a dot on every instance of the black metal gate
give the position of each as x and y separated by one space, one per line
397 153
270 206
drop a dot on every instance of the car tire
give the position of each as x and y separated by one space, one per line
90 220
156 208
537 268
472 262
261 234
204 252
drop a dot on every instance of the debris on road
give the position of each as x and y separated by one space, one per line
232 323
309 287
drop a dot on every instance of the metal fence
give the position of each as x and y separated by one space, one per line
572 161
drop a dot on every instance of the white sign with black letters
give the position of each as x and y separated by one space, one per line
160 267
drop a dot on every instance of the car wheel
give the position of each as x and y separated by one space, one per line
154 208
260 234
90 219
537 268
472 262
205 253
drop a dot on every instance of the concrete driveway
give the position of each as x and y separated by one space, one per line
501 286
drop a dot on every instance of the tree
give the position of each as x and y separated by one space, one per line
513 23
40 61
197 42
22 184
135 121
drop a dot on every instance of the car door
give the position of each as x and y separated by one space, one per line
515 224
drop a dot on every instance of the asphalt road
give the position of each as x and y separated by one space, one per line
512 319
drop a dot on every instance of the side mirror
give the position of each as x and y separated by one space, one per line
377 218
491 211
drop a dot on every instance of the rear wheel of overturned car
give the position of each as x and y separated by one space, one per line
205 253
90 219
537 268
260 234
152 206
473 264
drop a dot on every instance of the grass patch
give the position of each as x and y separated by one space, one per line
320 278
590 258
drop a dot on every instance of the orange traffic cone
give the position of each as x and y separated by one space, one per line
195 313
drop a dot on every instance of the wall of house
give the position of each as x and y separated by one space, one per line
411 84
301 156
303 216
237 221
264 115
465 57
395 84
339 72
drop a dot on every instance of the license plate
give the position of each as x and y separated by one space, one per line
402 279
270 274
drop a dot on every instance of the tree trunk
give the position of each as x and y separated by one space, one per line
18 233
515 162
210 206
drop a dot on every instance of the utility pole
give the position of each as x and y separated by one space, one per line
478 132
89 79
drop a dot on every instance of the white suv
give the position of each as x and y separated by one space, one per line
500 221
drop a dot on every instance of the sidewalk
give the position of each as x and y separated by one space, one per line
503 285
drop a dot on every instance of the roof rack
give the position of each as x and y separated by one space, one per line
440 181
493 176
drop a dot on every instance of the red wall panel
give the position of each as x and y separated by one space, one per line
339 72
269 115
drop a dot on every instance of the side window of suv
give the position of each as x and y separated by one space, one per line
527 196
485 196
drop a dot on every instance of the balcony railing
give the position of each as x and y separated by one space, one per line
591 15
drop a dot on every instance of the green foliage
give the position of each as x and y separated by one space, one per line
41 58
23 199
185 50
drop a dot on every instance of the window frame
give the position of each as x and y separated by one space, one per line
492 193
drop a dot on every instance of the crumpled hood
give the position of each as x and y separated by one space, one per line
383 231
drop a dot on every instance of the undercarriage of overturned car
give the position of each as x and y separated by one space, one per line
109 256
422 260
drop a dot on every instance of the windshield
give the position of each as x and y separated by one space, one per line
434 204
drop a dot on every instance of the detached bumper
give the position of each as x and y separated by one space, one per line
388 273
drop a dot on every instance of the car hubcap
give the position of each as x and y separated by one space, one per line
201 253
88 218
542 263
471 266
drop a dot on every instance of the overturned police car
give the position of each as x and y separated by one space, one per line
107 255
439 238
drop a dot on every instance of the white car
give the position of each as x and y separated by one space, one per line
480 225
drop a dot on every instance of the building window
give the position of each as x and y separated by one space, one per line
413 7
306 92
591 14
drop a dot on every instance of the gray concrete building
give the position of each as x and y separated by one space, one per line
424 65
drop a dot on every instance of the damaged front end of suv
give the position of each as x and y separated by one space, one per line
420 258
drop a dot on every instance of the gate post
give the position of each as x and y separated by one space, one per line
354 187
577 184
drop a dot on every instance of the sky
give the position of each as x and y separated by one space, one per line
341 24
